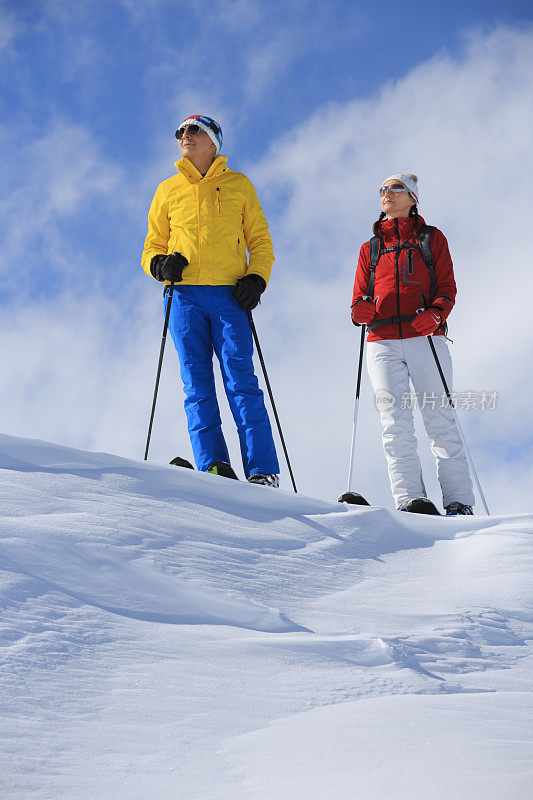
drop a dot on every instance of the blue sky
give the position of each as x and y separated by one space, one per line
318 102
122 68
124 74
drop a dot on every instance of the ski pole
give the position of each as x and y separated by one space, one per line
161 353
356 407
260 354
450 401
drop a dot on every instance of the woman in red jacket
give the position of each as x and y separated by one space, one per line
405 297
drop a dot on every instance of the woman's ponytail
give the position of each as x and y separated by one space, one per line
413 213
376 227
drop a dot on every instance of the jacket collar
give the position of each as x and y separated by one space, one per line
405 227
189 171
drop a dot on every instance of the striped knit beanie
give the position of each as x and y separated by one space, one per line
207 124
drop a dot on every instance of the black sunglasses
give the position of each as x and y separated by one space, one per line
194 130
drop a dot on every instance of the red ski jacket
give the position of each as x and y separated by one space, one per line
402 280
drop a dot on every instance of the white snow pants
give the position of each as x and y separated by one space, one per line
391 363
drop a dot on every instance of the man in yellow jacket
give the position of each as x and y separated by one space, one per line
201 224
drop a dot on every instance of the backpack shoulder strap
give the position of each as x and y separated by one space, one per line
374 258
425 248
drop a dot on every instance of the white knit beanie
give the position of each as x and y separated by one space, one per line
409 181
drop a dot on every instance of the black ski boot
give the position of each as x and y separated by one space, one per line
354 498
420 505
181 462
221 468
458 510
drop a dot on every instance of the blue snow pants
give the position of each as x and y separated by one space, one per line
207 319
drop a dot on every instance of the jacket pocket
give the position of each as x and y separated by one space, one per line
241 248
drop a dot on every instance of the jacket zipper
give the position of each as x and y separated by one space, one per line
218 200
197 190
396 225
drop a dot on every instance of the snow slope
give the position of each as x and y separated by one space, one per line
179 635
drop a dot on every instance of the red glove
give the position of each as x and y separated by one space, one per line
363 311
427 321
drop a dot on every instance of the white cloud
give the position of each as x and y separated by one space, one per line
267 62
80 369
463 125
8 30
236 15
49 181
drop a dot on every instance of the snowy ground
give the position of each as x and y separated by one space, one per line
172 634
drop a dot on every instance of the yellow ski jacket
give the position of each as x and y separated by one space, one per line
212 221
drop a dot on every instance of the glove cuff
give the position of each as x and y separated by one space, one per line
439 311
155 265
261 282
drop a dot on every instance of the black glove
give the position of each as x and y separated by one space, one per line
248 290
168 268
